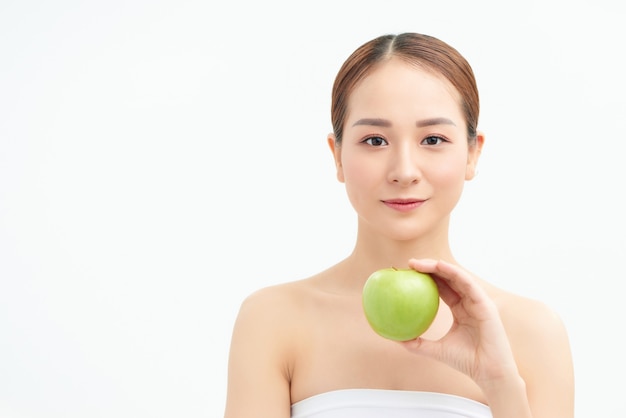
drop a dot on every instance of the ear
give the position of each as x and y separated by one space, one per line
473 156
335 148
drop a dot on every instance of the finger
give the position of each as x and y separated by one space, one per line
460 281
429 266
473 297
424 347
447 294
424 265
457 279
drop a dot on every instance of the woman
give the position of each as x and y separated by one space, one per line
404 112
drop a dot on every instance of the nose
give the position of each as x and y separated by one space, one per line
404 165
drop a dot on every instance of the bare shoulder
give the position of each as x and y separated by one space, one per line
540 343
526 317
276 299
273 310
264 343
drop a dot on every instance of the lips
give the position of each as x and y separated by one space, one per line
403 205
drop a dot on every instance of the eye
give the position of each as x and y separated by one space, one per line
433 140
375 141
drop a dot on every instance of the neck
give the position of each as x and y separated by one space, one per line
373 252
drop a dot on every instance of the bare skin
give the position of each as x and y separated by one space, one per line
295 340
324 343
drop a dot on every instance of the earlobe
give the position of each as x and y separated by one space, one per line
335 148
473 156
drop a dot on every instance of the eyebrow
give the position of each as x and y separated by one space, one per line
434 121
420 123
373 122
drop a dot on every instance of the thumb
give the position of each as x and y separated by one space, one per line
423 347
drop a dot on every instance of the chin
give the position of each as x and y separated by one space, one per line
404 234
412 231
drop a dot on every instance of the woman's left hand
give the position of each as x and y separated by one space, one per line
476 343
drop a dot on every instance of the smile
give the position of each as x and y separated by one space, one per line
403 205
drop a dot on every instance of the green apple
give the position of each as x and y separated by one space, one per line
400 304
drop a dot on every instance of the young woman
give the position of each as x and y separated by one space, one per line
405 113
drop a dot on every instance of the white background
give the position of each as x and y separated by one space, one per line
160 160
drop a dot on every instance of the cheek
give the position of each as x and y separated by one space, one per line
357 169
360 176
449 174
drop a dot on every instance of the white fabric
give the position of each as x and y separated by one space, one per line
378 403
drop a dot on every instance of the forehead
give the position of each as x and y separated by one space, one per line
396 87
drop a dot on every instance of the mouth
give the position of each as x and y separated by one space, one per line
403 205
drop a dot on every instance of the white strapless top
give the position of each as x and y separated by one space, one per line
379 403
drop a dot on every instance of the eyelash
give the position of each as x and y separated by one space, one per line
439 138
368 140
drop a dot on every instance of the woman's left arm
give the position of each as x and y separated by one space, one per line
520 360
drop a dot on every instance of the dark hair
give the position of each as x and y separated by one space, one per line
423 50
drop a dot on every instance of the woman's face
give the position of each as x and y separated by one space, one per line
404 156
